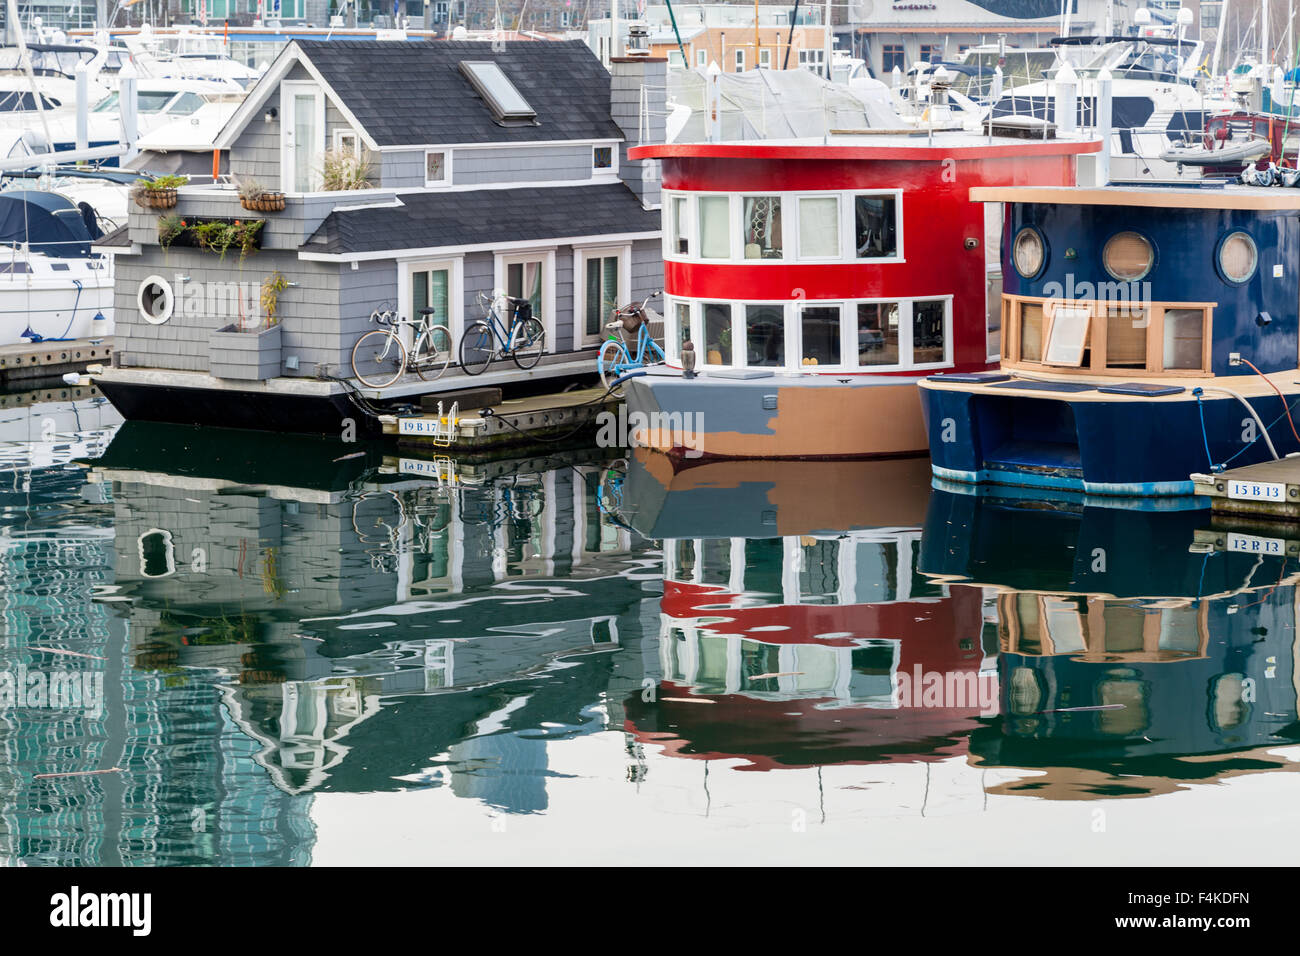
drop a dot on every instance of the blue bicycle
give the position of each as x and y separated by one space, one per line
523 339
614 360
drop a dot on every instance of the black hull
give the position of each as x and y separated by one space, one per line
232 408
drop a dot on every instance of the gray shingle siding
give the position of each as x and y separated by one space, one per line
521 164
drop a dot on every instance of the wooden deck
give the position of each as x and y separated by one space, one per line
1270 490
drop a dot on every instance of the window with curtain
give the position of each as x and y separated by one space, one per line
524 281
715 227
601 292
819 227
875 225
431 289
762 224
680 237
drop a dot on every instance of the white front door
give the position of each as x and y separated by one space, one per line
302 136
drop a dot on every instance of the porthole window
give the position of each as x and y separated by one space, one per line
1028 252
1238 257
1128 256
157 553
155 300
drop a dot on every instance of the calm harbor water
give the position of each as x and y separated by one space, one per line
289 651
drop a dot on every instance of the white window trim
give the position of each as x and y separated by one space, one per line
612 168
446 168
701 57
765 58
455 293
794 333
340 133
739 56
790 213
580 257
288 89
547 255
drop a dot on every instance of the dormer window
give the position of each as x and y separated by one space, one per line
602 159
508 106
437 167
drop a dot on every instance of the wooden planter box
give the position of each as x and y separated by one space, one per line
156 198
247 356
188 238
267 202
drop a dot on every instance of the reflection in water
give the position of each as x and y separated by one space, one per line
281 624
1138 648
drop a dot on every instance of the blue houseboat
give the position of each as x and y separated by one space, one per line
1148 334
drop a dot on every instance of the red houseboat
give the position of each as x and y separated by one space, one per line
818 280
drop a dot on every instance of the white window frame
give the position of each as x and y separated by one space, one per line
446 168
455 292
849 219
672 354
343 133
688 226
735 248
797 200
794 332
288 90
547 255
739 56
741 225
612 168
580 256
701 57
765 58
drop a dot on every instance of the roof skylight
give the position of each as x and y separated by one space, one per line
490 82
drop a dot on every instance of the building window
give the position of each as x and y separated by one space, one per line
437 169
345 142
762 227
440 11
531 276
602 158
819 227
1238 257
813 59
680 333
679 227
892 55
564 18
878 330
929 331
875 227
701 58
431 289
1128 256
546 18
601 292
740 60
765 335
930 53
765 59
819 331
155 300
715 227
717 334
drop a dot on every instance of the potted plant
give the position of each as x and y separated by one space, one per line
344 169
251 353
219 236
157 193
255 197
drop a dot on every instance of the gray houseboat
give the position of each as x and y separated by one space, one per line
484 167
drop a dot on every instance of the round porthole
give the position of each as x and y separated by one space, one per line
1028 252
155 300
1128 256
1238 257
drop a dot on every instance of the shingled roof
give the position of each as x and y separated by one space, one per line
427 220
413 93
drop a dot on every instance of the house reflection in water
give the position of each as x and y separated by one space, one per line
375 631
1138 652
797 613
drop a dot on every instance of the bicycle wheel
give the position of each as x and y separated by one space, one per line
476 348
529 343
432 353
378 359
612 355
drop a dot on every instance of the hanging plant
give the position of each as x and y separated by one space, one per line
170 228
157 193
219 236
